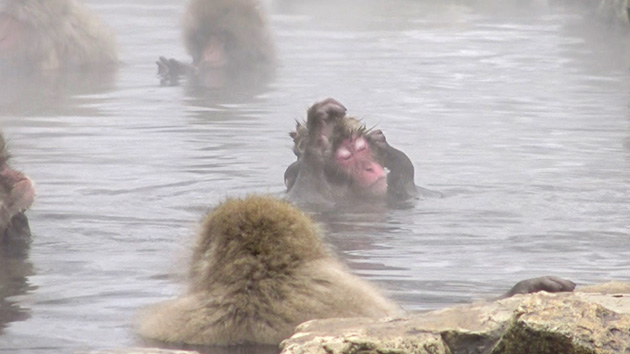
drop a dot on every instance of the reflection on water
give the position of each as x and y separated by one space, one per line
518 116
214 86
15 268
31 93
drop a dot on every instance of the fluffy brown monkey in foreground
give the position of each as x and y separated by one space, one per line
259 269
222 35
52 34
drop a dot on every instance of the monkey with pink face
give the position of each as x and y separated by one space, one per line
341 161
53 34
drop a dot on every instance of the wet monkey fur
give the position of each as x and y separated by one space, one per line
259 268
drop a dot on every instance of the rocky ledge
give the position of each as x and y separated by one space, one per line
592 320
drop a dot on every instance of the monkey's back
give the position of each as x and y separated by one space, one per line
258 270
268 312
64 33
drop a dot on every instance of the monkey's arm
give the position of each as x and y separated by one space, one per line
310 184
290 174
547 283
169 70
400 179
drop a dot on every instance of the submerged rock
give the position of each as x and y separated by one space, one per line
592 320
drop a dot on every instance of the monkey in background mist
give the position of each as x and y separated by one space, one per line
259 269
222 36
53 34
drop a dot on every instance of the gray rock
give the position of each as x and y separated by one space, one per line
592 320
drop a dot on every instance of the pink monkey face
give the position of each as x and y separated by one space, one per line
354 157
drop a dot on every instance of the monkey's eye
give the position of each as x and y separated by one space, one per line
360 144
343 153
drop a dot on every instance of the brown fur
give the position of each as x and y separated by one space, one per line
259 269
240 23
59 33
16 195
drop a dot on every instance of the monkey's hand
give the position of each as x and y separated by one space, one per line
400 179
322 117
547 283
326 110
377 138
169 70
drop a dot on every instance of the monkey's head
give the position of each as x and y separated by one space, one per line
253 238
343 145
356 159
229 34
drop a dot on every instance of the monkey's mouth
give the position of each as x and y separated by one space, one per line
379 187
213 55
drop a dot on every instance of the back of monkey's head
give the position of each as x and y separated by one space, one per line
251 237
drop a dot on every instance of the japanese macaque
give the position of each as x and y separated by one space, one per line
222 36
53 34
16 195
259 268
339 160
